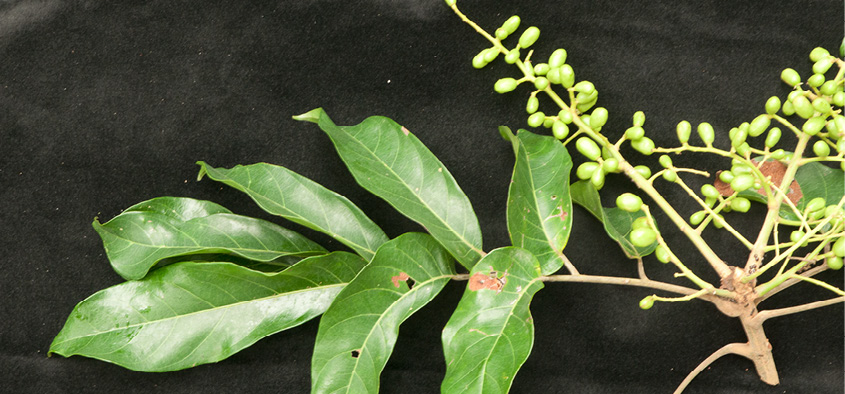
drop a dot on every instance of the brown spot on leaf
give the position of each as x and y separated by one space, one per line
399 278
489 281
406 131
773 170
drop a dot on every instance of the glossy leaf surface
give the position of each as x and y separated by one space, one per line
283 192
187 314
147 233
491 333
539 204
358 331
390 162
617 223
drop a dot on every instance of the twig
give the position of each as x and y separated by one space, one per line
741 349
762 316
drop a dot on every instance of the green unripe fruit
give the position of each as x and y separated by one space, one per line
816 204
821 148
788 108
585 119
640 222
696 218
839 247
478 61
586 101
670 176
629 202
839 99
708 190
803 107
512 56
665 161
597 179
536 119
490 54
796 235
742 182
740 168
541 69
718 221
738 137
565 116
557 58
541 83
634 133
743 149
501 34
642 237
706 132
772 105
818 53
610 165
560 130
639 118
834 263
548 122
585 170
505 85
533 105
790 76
759 124
553 75
840 145
815 80
684 130
643 145
646 303
588 148
585 87
779 154
598 117
822 65
567 76
726 176
511 24
529 37
644 171
839 121
740 204
662 254
821 105
773 137
813 125
828 88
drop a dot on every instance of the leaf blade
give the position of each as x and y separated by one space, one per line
390 162
285 193
491 332
132 325
358 331
539 204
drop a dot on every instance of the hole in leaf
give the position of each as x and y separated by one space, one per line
410 283
355 353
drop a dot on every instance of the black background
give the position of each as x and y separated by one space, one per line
106 104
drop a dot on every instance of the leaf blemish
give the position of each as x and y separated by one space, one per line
356 353
489 281
406 131
402 277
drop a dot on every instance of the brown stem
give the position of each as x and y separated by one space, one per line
765 315
760 350
741 349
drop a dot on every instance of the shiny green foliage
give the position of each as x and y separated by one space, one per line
190 313
390 162
283 192
358 331
164 227
491 332
539 208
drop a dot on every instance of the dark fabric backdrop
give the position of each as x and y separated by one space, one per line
106 104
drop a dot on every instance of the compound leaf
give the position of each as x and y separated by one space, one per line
358 331
194 313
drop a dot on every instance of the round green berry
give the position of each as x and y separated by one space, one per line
541 83
773 137
828 88
818 53
585 87
634 133
639 118
696 218
708 190
684 129
529 37
642 237
512 56
726 176
598 117
738 137
834 263
779 154
743 149
646 303
511 24
821 105
839 247
816 204
662 254
816 80
643 145
740 204
629 202
796 235
532 105
790 76
588 148
567 76
557 58
772 105
597 179
640 222
610 165
706 132
644 171
813 125
505 85
478 61
822 65
501 34
670 176
585 170
803 107
565 116
553 75
560 130
788 108
541 69
536 119
490 54
821 148
760 124
839 99
665 161
742 182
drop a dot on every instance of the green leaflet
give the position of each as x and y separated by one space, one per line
390 162
283 192
358 331
164 227
491 333
539 204
194 313
616 222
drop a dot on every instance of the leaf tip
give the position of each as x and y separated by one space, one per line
203 170
312 116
